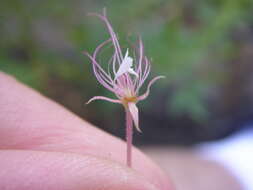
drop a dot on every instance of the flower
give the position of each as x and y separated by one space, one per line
128 76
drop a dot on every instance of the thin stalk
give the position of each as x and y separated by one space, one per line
129 137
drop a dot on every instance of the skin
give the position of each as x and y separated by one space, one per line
43 146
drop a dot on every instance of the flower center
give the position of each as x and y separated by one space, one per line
128 99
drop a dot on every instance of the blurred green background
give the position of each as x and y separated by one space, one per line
203 47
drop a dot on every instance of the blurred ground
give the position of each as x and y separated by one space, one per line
191 172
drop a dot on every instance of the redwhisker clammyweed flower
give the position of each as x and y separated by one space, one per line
128 76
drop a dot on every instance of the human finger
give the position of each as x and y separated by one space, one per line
29 170
30 121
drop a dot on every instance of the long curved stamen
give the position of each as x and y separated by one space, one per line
101 75
145 72
112 34
145 95
103 98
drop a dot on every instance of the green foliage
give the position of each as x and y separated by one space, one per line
43 40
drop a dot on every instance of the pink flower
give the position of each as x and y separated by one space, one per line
124 78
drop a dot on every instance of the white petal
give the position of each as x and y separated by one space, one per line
131 71
126 53
125 66
135 114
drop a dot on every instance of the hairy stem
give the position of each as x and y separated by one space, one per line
129 137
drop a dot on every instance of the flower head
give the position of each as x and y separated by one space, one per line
127 74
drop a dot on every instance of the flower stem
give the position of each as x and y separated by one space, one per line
129 137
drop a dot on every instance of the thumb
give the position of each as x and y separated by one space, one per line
28 170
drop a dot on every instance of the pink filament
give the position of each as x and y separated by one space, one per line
129 137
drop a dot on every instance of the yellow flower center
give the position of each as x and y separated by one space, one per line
126 100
